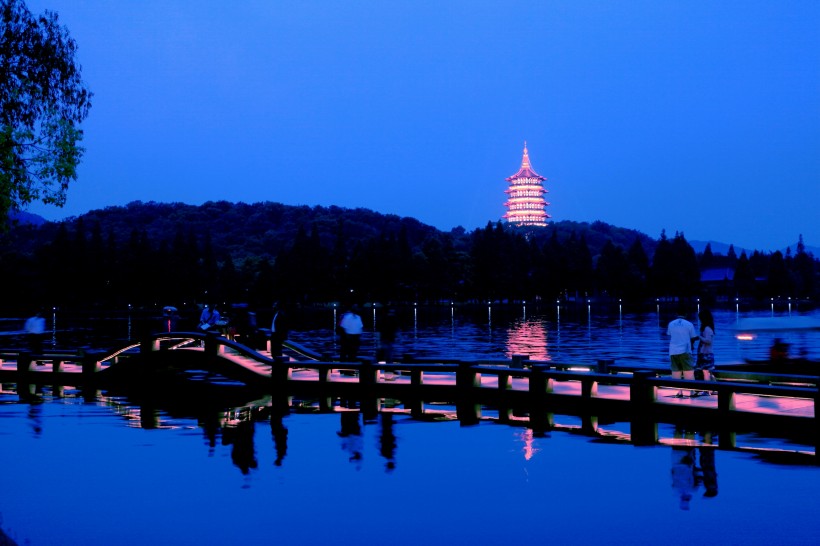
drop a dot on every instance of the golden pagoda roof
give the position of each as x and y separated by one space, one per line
526 170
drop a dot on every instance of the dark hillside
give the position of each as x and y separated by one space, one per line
241 231
153 254
596 235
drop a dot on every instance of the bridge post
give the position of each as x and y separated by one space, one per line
540 385
504 385
368 374
211 345
414 402
368 377
149 344
468 411
642 395
90 364
466 377
816 423
24 364
589 388
604 364
281 372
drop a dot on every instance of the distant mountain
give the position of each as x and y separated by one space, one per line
23 217
717 248
723 248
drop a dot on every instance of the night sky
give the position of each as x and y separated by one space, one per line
698 117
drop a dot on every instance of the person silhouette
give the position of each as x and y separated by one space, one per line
35 329
280 438
708 471
351 328
683 470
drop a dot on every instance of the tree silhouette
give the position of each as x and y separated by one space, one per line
43 100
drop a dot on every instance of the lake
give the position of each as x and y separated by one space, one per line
574 335
107 469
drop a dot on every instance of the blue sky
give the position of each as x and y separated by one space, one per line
693 116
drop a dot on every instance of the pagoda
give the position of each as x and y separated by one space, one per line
525 202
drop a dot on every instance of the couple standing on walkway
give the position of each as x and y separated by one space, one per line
682 338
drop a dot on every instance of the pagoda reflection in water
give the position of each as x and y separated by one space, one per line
528 337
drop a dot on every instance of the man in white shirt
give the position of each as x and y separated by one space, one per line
351 328
681 341
35 328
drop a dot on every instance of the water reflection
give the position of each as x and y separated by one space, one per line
583 334
693 466
279 432
240 438
527 437
351 435
387 441
528 337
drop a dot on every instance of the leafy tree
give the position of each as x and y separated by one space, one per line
663 267
612 270
42 102
639 271
579 265
778 278
804 270
744 276
731 255
686 263
707 259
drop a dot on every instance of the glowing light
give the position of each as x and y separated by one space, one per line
746 337
529 449
529 338
526 204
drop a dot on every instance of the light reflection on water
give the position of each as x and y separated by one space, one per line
187 479
565 335
628 338
77 475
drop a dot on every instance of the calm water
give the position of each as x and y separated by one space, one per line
567 337
107 471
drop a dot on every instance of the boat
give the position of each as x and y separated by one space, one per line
787 340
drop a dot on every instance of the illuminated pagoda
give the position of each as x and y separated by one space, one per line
525 202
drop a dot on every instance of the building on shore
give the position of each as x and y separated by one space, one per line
525 196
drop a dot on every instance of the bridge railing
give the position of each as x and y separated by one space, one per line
642 384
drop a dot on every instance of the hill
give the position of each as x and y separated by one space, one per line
263 230
240 230
150 253
723 248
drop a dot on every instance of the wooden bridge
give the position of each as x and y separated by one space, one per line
511 391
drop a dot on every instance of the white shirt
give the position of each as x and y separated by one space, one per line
352 324
35 325
682 332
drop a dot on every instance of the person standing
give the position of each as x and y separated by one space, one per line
705 363
351 328
208 318
35 328
388 330
682 336
278 330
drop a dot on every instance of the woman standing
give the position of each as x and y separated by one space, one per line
706 356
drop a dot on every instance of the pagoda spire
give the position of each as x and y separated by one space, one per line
525 160
525 203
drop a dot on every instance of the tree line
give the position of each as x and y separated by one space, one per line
149 254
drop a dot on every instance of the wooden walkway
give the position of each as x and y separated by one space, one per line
783 406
